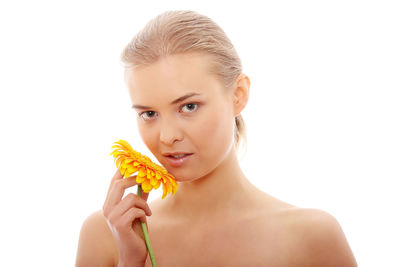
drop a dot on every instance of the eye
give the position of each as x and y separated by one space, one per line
190 107
147 115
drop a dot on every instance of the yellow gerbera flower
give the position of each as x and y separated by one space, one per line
150 175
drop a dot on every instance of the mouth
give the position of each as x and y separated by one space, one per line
177 159
179 156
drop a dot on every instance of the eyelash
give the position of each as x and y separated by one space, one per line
191 103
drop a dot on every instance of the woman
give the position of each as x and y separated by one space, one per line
186 83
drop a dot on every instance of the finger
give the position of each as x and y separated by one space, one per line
117 176
117 189
133 214
132 200
137 226
144 219
126 220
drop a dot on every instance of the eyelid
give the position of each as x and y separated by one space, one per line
143 112
198 104
195 103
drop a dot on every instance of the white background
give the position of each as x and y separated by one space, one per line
323 117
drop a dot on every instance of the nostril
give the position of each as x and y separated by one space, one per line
169 134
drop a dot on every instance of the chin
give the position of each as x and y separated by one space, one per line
188 175
181 177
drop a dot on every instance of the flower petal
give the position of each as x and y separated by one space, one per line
150 175
146 186
157 185
169 187
140 179
142 172
164 192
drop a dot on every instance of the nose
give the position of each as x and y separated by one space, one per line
169 132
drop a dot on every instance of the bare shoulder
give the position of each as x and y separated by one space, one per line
96 245
316 238
303 236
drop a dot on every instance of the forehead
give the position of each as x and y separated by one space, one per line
171 77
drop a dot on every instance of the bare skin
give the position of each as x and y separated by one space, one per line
270 233
217 217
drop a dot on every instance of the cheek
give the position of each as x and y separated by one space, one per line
148 136
215 132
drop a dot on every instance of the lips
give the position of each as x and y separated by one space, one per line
178 156
177 159
175 154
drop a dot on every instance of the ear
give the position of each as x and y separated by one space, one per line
241 93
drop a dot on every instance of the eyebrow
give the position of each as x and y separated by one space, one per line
178 100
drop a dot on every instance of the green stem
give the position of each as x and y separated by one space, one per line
146 235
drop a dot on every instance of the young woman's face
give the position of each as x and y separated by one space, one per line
185 115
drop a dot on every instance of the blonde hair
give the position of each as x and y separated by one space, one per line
185 31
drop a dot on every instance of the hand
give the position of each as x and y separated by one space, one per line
121 216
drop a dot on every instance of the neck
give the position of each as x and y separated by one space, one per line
219 193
